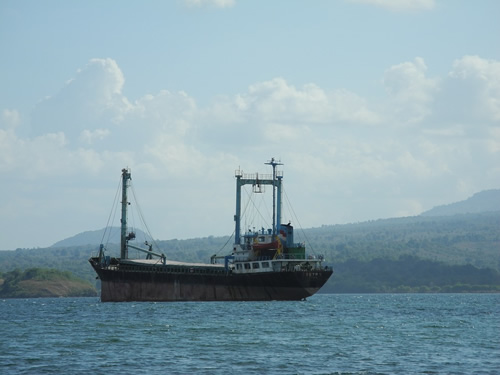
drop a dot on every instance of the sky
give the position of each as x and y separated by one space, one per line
376 108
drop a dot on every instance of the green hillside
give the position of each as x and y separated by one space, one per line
38 282
409 275
456 240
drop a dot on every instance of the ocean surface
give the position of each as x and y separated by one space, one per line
327 334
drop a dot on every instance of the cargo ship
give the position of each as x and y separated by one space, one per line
263 265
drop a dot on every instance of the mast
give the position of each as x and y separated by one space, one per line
279 177
126 176
237 216
253 179
274 163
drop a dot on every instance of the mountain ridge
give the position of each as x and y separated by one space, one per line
483 201
96 237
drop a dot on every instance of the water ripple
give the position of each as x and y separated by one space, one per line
328 334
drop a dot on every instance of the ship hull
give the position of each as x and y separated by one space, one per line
150 285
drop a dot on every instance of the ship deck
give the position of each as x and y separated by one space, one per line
152 262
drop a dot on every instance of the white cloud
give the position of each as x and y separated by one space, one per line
412 166
8 154
170 112
176 156
278 101
92 100
349 107
101 76
211 3
400 5
411 91
493 143
10 119
29 158
345 156
483 76
467 103
88 136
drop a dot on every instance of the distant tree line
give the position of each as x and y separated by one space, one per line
409 274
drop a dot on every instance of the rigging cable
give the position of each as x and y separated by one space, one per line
142 217
107 229
229 238
256 208
300 226
242 214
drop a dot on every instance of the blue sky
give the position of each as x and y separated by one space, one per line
377 108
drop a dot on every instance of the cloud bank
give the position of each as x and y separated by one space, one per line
400 5
210 3
431 140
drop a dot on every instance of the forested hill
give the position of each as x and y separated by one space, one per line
484 201
95 237
460 239
38 282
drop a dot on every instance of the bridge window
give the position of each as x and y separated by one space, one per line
238 266
265 264
247 266
255 265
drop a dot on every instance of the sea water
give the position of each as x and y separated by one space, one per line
327 334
